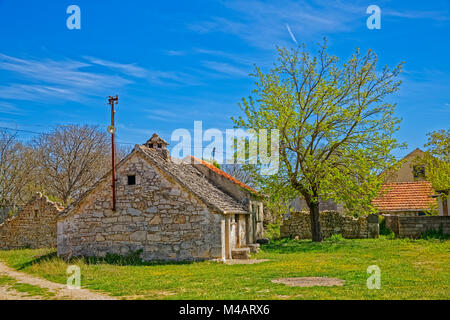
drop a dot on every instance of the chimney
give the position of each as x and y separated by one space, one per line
159 144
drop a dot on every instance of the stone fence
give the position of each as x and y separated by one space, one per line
33 227
413 227
298 225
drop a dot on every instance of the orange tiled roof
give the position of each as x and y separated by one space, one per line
224 174
404 196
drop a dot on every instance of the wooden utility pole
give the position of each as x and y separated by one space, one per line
112 130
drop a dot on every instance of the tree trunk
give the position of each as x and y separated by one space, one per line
315 222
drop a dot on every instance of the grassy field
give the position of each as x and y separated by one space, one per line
410 269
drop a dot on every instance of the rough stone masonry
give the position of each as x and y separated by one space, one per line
154 215
33 227
298 225
169 210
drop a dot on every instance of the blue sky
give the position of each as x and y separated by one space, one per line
173 62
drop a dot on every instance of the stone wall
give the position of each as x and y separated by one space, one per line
413 227
156 215
33 227
298 225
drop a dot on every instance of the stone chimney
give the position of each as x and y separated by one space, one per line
159 144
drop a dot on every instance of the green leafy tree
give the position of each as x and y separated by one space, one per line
437 160
335 127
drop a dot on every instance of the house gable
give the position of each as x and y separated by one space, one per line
405 172
156 215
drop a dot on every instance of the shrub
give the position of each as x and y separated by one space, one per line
335 238
384 230
273 230
132 258
435 234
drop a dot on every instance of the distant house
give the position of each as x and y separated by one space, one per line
34 226
409 171
405 190
168 208
405 198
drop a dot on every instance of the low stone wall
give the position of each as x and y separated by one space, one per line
298 225
33 227
413 227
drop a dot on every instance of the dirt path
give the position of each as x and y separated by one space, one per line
57 291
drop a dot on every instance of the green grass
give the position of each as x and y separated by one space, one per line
410 269
28 289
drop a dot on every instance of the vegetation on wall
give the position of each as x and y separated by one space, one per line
437 160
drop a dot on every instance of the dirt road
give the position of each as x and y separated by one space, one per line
15 285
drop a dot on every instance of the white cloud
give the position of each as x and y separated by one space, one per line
263 24
71 80
66 80
225 68
128 69
9 108
175 53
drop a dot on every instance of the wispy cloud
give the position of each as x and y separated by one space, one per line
175 53
128 69
67 79
263 24
72 80
408 14
291 34
234 57
9 108
163 115
226 69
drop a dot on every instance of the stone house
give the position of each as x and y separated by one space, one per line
34 226
170 209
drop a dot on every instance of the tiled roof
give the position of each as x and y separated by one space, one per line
190 178
404 196
224 174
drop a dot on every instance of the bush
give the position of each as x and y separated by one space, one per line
273 230
335 238
132 258
435 234
384 230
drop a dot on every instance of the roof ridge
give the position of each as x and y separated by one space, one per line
409 182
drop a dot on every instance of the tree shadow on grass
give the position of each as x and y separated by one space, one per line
131 259
36 260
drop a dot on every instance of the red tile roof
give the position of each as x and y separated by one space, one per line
224 174
404 196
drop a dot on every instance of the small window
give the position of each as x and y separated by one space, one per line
159 145
419 172
131 180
